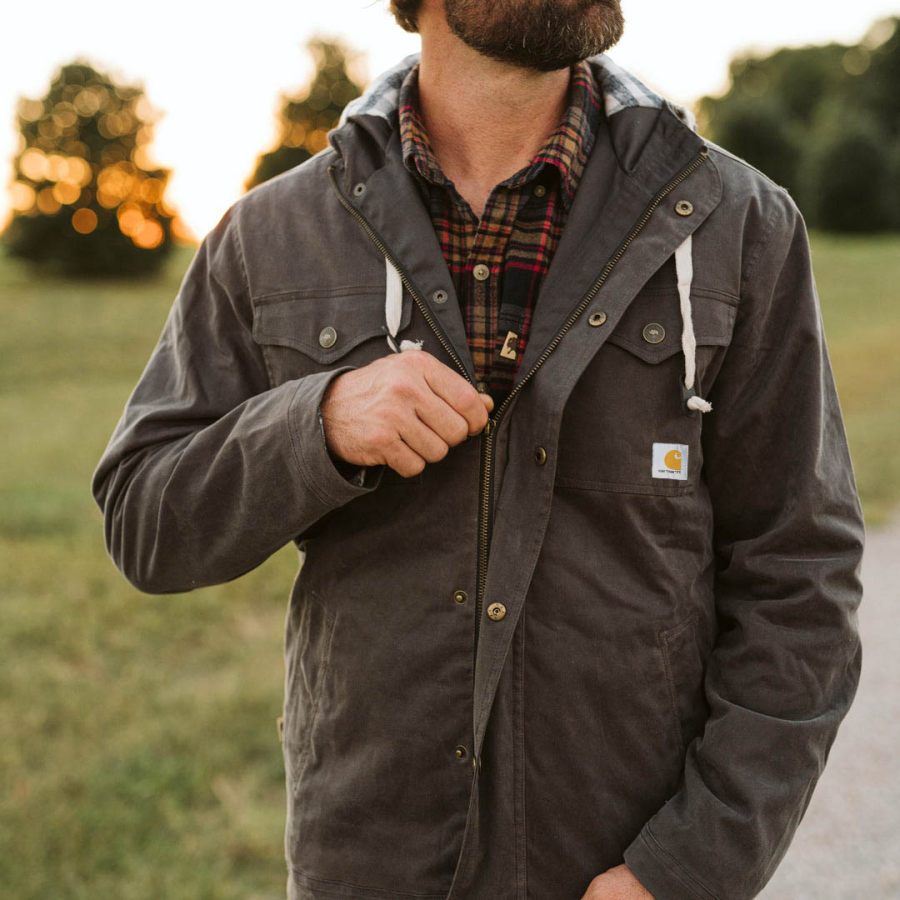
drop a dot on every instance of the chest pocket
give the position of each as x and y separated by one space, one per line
626 414
305 332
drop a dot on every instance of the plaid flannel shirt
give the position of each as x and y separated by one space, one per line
498 263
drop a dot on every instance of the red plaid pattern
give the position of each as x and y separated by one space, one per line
517 235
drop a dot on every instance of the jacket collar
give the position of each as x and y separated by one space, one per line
376 111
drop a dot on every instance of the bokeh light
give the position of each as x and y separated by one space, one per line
84 220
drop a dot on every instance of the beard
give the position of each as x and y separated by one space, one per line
536 34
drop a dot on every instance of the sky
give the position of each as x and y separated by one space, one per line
215 72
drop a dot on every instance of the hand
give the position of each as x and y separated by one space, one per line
403 411
617 884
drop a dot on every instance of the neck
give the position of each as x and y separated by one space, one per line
485 119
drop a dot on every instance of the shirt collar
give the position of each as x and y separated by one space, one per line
567 149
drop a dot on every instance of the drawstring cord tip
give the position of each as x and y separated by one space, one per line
692 402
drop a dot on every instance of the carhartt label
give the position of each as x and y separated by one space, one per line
670 461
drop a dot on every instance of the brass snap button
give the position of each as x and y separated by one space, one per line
540 455
684 207
327 338
540 191
481 272
654 333
461 752
359 189
439 296
461 597
496 612
597 319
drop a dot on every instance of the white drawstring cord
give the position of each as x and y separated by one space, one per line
684 269
393 309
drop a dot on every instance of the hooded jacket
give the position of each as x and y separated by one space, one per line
610 627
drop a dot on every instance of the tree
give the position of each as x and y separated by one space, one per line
822 121
851 172
85 198
306 119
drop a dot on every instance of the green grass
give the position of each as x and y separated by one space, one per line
139 756
859 288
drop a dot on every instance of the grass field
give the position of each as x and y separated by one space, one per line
139 757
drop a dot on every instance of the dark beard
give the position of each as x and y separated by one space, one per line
536 34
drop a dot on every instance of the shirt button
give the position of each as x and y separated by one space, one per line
540 455
540 191
481 272
496 612
327 338
460 597
481 387
654 333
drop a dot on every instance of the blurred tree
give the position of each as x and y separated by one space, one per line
822 121
850 176
85 198
306 119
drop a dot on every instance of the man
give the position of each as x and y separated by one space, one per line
535 378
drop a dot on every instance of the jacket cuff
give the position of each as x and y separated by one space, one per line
310 451
660 873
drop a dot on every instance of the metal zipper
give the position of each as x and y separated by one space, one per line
490 431
404 277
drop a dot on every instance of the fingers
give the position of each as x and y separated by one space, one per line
459 394
404 411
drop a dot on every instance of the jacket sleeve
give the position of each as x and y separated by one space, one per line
788 539
210 470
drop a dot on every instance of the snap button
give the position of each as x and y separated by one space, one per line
597 319
359 189
540 455
461 752
684 207
654 333
481 272
496 612
540 191
461 597
439 296
327 338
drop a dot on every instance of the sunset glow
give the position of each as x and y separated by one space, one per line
215 79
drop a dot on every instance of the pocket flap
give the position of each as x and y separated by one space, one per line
324 325
651 327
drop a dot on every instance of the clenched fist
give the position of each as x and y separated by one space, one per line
402 411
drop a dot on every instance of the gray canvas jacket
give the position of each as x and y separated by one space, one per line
539 657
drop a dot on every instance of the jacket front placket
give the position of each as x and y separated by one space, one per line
622 228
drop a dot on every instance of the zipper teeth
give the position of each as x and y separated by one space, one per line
407 283
487 463
484 525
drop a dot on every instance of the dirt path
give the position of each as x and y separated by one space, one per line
848 846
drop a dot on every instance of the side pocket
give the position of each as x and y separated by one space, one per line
310 635
684 668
